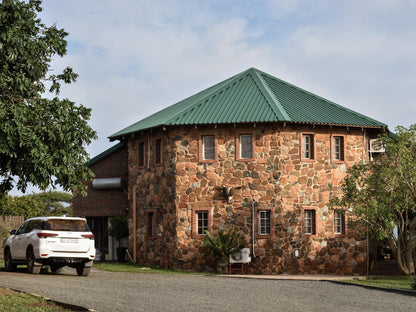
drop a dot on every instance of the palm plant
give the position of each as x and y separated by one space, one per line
224 243
413 281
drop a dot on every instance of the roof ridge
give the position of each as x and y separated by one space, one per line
320 97
277 108
217 88
251 96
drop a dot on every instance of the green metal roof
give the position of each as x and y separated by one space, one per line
104 154
252 96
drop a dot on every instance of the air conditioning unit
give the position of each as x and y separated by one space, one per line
243 256
376 146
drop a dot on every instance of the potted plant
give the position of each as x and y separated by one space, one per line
119 229
222 246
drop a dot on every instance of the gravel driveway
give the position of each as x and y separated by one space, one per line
105 291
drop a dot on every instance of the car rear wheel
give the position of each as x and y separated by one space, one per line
9 266
32 266
82 270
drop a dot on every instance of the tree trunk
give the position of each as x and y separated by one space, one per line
406 248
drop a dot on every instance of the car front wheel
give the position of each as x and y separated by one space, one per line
9 266
32 266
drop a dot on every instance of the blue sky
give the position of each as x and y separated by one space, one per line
136 57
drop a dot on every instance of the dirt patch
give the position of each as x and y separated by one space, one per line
6 291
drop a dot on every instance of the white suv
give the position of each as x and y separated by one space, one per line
53 241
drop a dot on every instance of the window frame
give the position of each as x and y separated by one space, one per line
314 225
158 151
311 150
258 224
150 227
202 158
239 148
343 223
143 156
195 222
341 158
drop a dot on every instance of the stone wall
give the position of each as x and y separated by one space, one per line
155 192
277 179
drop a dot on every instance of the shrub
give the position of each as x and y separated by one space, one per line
413 281
118 228
224 243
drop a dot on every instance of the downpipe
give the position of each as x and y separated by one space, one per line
254 258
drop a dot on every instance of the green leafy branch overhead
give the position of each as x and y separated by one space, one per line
42 137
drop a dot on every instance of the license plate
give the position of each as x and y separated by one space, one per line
69 240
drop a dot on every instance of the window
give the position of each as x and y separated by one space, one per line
309 222
339 223
338 148
200 222
22 228
244 147
264 222
158 151
208 147
150 224
308 146
142 154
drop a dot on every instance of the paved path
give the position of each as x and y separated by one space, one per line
105 291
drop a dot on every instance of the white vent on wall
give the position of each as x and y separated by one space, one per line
107 183
376 146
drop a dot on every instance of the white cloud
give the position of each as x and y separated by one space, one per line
137 57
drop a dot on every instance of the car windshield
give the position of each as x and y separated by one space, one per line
66 225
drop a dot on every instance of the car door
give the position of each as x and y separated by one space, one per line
18 245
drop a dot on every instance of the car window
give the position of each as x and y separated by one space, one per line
37 225
21 229
29 227
66 225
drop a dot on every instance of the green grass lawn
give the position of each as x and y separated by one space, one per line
12 301
393 282
128 267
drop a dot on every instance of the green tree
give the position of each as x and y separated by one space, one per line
381 196
40 204
42 137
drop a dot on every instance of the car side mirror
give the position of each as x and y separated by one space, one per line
13 232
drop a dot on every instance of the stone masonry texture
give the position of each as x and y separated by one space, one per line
277 180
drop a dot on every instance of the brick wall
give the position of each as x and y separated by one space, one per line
110 202
277 179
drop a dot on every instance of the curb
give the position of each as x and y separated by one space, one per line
61 304
410 293
406 292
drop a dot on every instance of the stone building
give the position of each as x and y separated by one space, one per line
255 153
